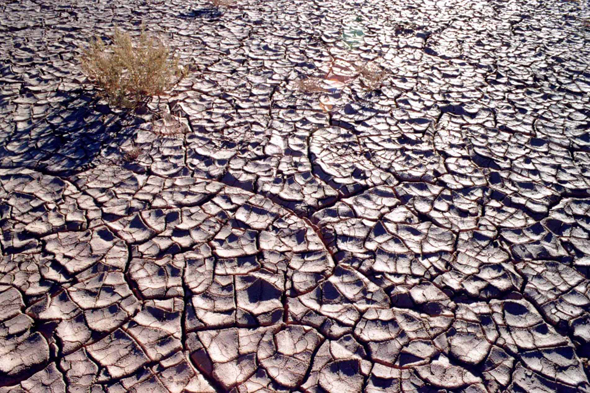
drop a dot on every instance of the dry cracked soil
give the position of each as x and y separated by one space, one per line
341 196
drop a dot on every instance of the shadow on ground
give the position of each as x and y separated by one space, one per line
69 136
204 13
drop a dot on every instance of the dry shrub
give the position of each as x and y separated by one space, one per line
310 85
343 73
169 126
132 154
371 75
224 3
127 74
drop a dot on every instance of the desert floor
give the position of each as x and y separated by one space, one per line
341 196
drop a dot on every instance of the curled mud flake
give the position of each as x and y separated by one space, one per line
23 349
118 353
441 373
288 354
49 379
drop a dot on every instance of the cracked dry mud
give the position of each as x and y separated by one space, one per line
425 229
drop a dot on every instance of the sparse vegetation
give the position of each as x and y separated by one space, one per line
132 154
170 125
310 85
224 3
372 76
128 73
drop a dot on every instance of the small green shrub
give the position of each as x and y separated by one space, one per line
127 73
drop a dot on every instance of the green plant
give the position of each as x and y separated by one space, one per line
128 73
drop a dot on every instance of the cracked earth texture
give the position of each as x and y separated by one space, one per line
249 233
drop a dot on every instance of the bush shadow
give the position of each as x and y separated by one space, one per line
68 138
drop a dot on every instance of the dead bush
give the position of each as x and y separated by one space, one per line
310 85
128 73
371 75
132 154
169 125
224 3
